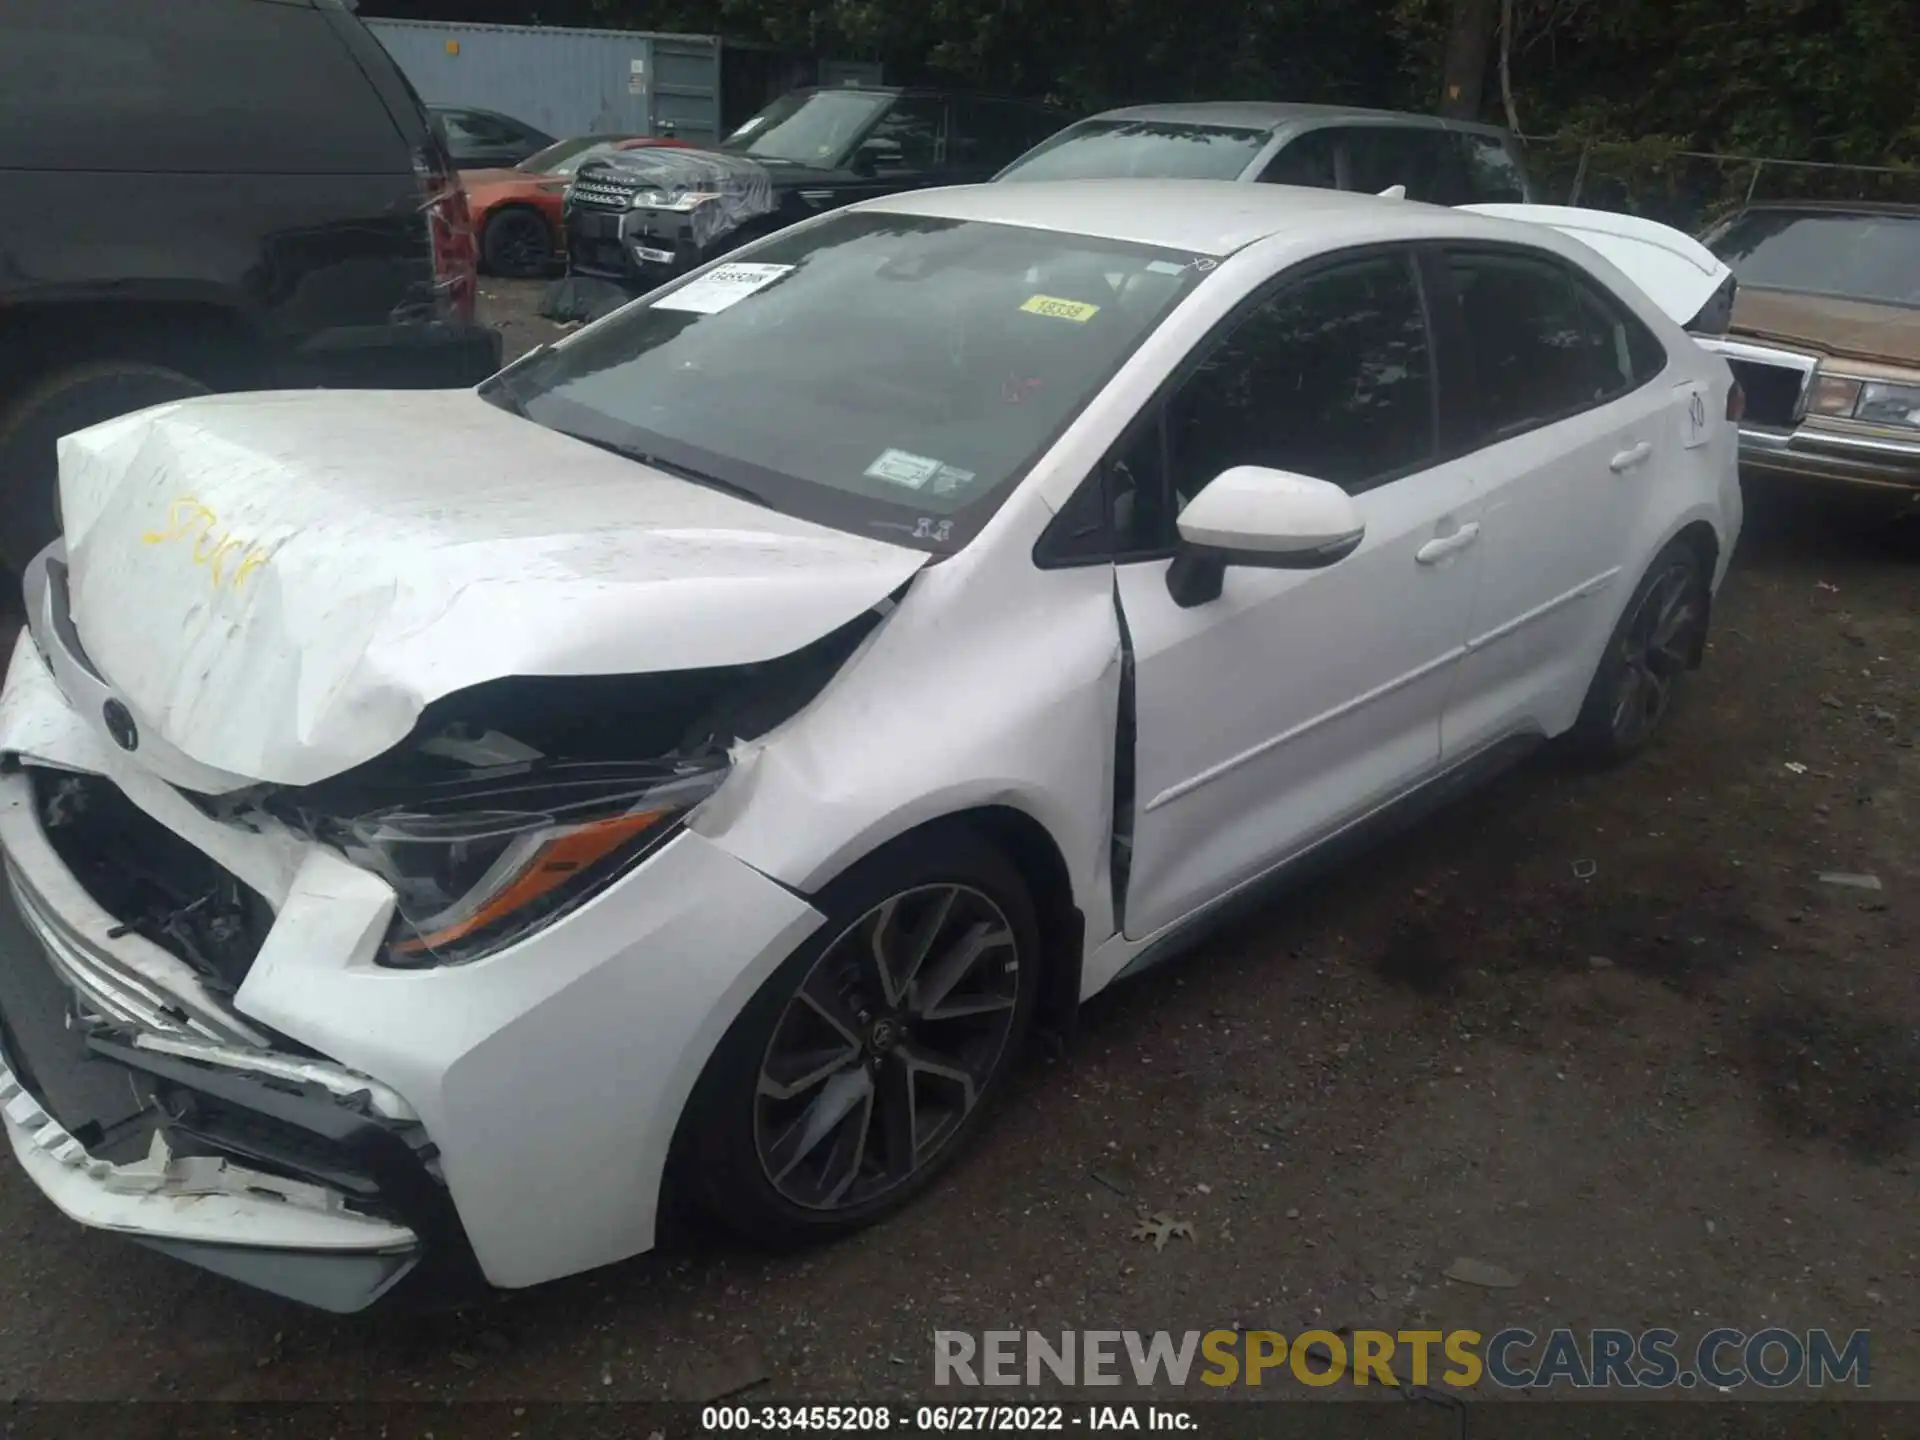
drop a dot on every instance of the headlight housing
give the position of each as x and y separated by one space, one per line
1879 402
1886 404
685 203
480 863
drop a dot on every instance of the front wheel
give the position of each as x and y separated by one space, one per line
1657 640
868 1060
518 244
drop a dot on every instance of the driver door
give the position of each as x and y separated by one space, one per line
1297 701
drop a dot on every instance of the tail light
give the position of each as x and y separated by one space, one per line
443 203
1736 403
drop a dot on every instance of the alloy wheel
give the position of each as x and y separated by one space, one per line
887 1046
1653 653
522 247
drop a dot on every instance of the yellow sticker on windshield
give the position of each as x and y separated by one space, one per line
1076 311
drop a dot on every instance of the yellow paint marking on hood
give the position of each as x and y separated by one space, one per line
223 553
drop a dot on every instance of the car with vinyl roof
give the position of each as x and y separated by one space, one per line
1824 336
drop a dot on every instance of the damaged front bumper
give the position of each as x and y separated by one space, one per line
320 1125
139 1103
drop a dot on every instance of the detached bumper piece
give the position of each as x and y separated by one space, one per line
274 1186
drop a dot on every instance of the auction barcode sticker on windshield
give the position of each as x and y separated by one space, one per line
721 287
1052 305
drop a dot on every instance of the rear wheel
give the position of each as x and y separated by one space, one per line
871 1056
63 402
517 243
1656 641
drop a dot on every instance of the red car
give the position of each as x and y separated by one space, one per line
516 212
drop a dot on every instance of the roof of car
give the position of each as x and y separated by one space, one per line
938 90
1203 217
1273 114
1833 207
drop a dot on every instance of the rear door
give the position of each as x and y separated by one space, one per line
1573 429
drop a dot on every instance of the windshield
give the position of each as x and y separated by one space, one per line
1854 256
566 156
813 127
892 375
1124 149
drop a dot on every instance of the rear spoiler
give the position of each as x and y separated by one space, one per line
1678 273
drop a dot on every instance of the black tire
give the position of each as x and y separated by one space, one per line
63 402
517 243
1660 636
718 1165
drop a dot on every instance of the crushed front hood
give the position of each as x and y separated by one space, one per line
277 584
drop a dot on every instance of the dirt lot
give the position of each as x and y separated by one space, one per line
1606 1031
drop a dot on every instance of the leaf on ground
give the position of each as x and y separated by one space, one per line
1162 1228
1479 1272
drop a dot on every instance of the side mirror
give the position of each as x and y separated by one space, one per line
1272 519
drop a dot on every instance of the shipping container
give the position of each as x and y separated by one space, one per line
570 81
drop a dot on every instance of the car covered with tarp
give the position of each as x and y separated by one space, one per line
640 219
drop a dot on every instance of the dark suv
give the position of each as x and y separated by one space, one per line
645 216
211 195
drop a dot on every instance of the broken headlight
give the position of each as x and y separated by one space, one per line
480 863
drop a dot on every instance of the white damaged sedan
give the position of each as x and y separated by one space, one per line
442 825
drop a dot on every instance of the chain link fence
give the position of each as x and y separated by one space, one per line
1690 189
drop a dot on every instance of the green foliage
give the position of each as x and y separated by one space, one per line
1835 80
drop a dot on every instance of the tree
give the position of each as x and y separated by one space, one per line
1463 71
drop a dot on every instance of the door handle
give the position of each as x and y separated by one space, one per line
1434 551
1627 459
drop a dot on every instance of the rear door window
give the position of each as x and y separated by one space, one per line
1491 172
1309 159
1382 156
1545 343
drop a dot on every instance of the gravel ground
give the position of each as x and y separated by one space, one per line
1607 1031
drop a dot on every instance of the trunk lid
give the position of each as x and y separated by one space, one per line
277 584
1679 274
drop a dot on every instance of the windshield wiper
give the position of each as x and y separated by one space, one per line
671 467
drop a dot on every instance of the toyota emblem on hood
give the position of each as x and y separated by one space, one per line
120 725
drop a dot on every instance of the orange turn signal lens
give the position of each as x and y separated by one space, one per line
551 866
